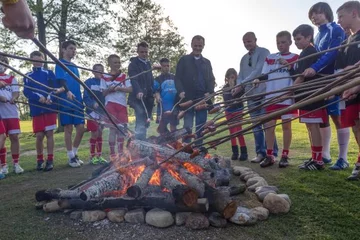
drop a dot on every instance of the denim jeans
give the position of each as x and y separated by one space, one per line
200 120
259 134
141 123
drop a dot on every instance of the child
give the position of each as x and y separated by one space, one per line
114 88
303 37
92 125
165 94
44 120
231 113
272 62
9 93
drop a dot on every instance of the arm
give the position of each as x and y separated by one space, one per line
88 100
179 76
264 70
15 91
259 66
132 71
29 94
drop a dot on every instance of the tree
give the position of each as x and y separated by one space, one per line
144 20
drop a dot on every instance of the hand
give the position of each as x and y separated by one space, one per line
158 99
3 99
140 95
156 66
48 101
282 61
70 95
256 82
351 93
112 88
309 72
12 100
2 84
58 90
182 95
42 99
96 105
19 20
117 89
236 90
207 94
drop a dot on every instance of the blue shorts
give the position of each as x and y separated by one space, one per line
333 109
66 119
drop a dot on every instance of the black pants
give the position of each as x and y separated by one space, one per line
141 122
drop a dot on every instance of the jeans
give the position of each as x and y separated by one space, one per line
141 119
259 134
200 120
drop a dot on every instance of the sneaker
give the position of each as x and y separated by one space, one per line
78 160
2 176
257 159
284 162
301 166
102 160
74 163
18 169
40 165
5 169
326 160
340 164
354 174
267 162
313 165
94 160
49 166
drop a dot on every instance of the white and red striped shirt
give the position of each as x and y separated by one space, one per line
8 110
115 97
272 63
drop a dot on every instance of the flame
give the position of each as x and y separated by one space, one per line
176 175
155 179
129 178
193 168
208 156
165 190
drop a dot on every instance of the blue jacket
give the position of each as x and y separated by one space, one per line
330 35
94 85
46 77
165 85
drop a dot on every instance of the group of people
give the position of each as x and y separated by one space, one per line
50 93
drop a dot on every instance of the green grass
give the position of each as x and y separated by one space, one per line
324 205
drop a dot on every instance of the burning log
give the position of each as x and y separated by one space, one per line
137 190
220 201
50 194
193 181
109 183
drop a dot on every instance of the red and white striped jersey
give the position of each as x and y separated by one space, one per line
8 110
272 63
115 97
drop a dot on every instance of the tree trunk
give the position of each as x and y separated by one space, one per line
41 25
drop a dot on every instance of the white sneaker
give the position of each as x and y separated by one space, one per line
5 169
257 159
74 163
81 162
18 169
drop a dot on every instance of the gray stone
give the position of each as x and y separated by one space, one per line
93 216
159 218
258 184
116 216
261 213
276 204
286 197
253 180
180 218
242 176
243 216
247 177
197 221
76 215
237 170
262 195
135 216
216 220
266 188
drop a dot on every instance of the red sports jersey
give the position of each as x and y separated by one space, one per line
115 97
8 110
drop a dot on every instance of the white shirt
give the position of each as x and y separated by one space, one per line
8 110
115 97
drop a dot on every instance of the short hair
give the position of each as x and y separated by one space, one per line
252 34
97 65
67 43
284 34
112 56
304 30
4 59
322 7
143 44
229 72
164 60
349 6
198 37
36 54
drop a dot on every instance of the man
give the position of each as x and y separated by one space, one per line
141 99
194 79
251 65
71 90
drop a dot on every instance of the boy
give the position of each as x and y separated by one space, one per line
44 120
274 61
303 37
349 18
330 35
9 93
92 125
165 94
114 88
71 90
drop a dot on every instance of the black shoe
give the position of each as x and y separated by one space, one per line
40 165
284 162
243 154
301 166
313 165
235 151
49 166
267 162
354 174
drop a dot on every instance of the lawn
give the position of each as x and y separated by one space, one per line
324 205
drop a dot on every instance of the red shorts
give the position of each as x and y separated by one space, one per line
44 122
287 115
118 112
92 126
2 127
12 125
349 115
318 116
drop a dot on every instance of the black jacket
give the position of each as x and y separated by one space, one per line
186 76
227 96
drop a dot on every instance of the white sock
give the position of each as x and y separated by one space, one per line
75 150
343 136
70 154
326 139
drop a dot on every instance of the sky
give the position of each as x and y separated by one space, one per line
223 24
